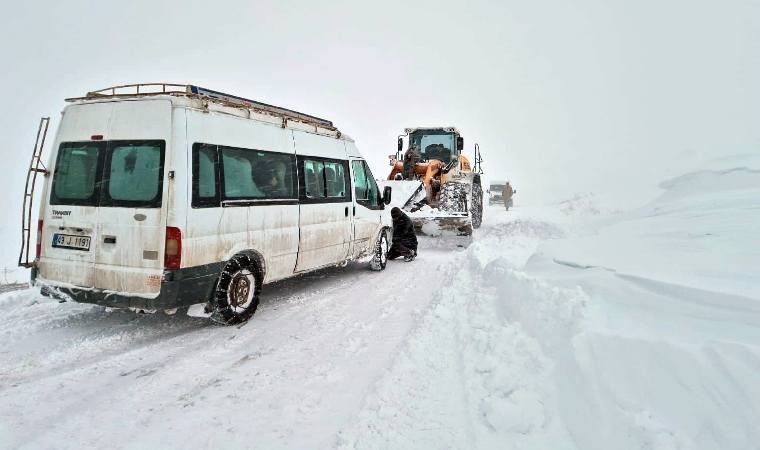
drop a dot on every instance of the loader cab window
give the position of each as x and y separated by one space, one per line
434 145
365 187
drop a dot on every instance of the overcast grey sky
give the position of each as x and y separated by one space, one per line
563 96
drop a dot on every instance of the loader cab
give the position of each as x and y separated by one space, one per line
443 144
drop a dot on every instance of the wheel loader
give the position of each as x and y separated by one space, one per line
435 183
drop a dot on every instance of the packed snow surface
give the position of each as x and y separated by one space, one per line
558 327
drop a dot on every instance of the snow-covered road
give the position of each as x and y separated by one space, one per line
75 375
559 327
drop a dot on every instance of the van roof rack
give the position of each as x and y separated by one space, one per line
189 90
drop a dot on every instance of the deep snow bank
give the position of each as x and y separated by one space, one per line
631 330
703 232
669 351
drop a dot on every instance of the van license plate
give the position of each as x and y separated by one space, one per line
71 241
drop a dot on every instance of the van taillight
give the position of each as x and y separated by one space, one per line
173 249
38 247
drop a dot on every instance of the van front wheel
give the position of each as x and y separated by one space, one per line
237 292
381 252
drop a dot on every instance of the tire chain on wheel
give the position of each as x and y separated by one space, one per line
453 197
223 313
477 205
376 262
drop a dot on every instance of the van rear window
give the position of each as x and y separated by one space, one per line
109 173
134 174
77 172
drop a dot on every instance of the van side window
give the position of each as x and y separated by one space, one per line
373 193
314 175
367 193
205 176
275 175
230 173
335 180
256 174
324 180
360 180
238 176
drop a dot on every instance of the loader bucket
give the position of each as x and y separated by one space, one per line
441 224
443 232
448 225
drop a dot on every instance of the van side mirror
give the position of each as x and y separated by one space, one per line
387 195
400 144
460 143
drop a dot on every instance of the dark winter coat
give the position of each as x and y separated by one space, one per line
403 232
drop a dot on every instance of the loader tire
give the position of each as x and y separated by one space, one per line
477 204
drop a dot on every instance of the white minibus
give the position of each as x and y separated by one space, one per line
160 196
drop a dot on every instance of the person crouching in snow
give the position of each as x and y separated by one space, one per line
404 239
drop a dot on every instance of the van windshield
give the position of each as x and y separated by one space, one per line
109 173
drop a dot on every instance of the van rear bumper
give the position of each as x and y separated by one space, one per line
183 287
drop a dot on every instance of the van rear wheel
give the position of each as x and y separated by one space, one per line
237 292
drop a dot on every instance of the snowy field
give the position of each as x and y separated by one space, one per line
563 326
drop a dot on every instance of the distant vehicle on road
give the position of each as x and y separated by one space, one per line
500 192
495 189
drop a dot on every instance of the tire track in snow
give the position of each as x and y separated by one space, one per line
312 338
104 335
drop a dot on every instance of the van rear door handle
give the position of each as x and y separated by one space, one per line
109 240
346 211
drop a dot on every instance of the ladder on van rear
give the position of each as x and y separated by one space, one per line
35 167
